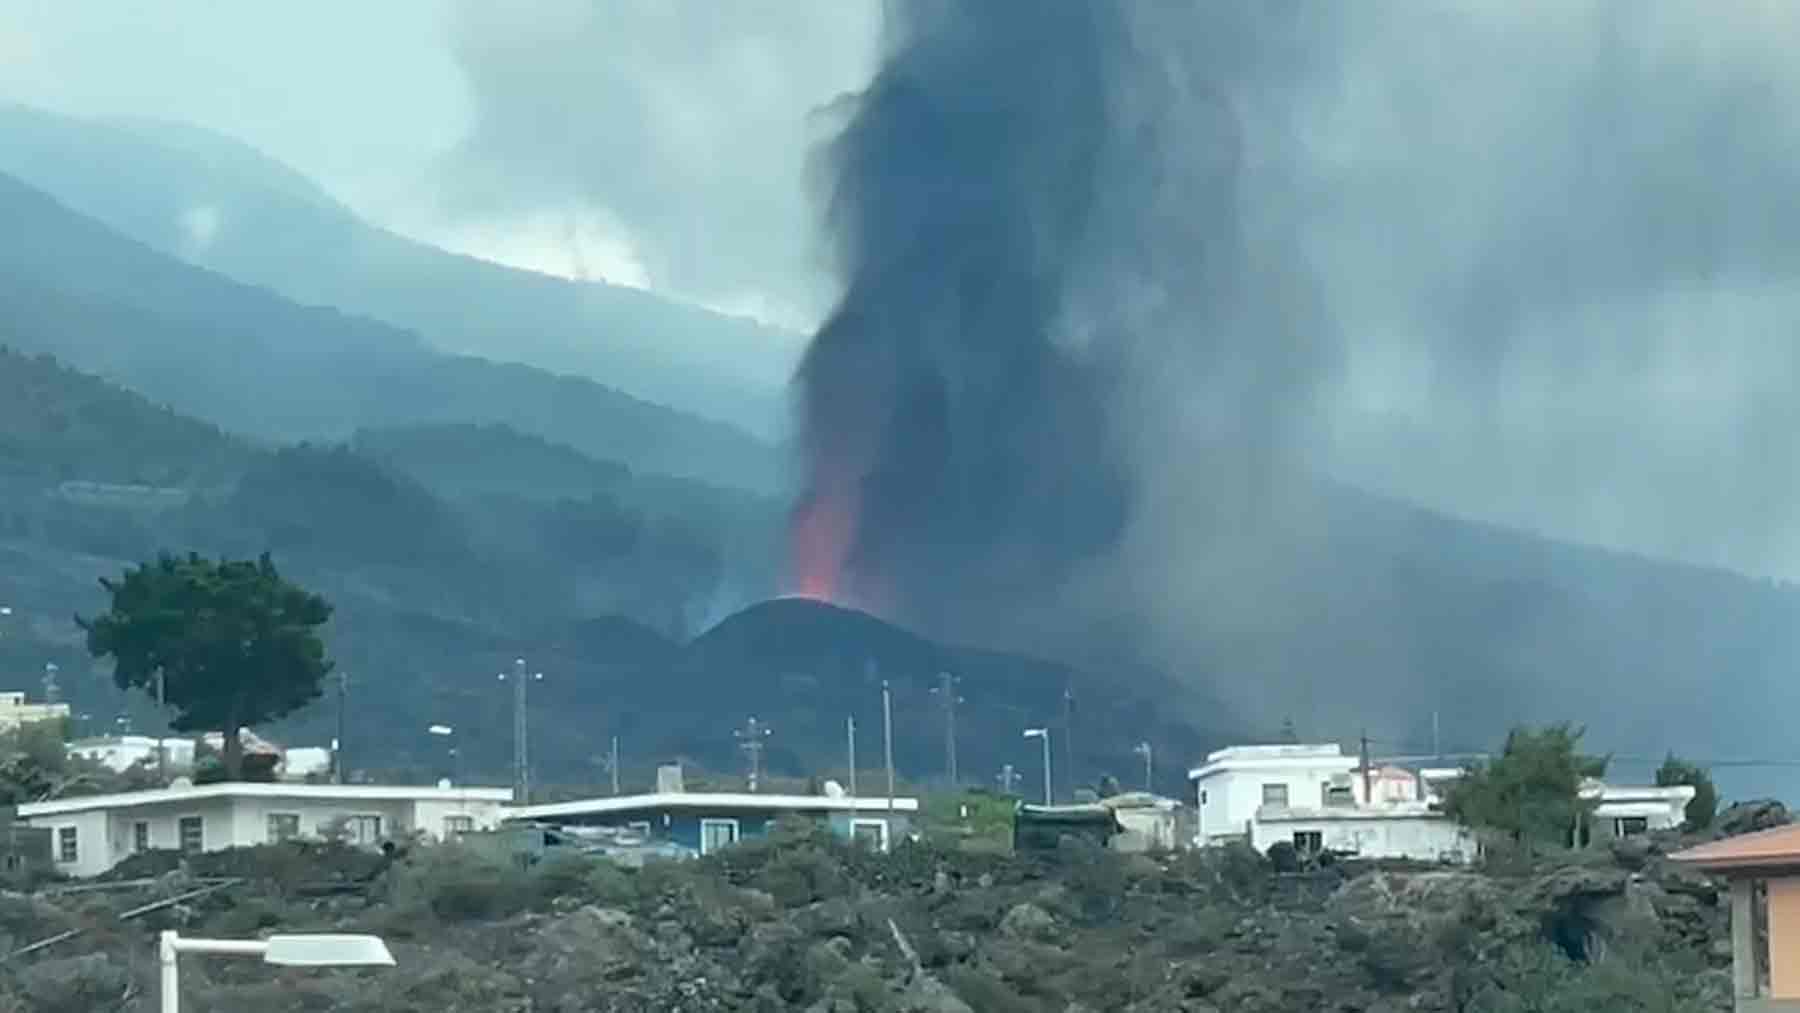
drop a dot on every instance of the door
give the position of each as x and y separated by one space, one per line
716 834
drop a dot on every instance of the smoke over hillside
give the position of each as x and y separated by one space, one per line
1123 281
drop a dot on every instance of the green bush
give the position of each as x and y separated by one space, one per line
454 883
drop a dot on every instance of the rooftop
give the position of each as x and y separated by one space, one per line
259 789
1292 755
710 800
1764 849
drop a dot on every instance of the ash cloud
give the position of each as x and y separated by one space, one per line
1123 281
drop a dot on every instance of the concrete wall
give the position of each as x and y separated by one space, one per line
1418 838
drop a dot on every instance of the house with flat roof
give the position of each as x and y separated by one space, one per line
93 833
1235 782
1414 831
16 710
706 821
1764 872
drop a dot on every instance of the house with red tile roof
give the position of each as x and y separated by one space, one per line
1764 871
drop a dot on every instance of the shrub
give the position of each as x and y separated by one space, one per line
454 883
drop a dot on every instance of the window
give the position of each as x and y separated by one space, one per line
140 836
68 844
190 831
1203 796
1274 794
458 825
716 834
363 829
1630 826
873 833
1309 842
283 827
1339 795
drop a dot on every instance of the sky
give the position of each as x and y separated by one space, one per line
591 140
1551 240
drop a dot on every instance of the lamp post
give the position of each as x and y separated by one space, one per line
1044 735
282 951
1144 750
448 734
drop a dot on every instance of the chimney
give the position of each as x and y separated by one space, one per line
668 779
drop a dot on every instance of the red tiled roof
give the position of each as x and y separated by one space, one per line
1777 847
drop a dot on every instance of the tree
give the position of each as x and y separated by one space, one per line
1705 803
234 644
1532 792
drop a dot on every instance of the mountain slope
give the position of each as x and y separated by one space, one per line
221 205
258 364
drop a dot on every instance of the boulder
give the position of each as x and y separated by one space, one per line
1749 817
1028 921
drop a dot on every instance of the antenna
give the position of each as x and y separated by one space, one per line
751 739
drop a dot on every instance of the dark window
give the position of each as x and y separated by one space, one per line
191 833
1630 826
456 826
1309 842
283 827
68 846
140 836
1339 795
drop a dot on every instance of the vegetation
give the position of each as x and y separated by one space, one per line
229 644
1705 804
1532 792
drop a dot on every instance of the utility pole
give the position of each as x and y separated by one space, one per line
750 740
1367 771
1143 749
850 731
887 736
946 688
613 763
337 745
521 756
1437 745
1069 735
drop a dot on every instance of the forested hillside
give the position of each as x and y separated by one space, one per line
218 204
257 364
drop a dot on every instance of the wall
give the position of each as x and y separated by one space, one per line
1784 938
1234 794
92 855
1420 838
682 826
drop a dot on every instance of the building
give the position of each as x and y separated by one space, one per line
1626 811
1235 782
1149 822
1043 827
1764 871
708 821
15 710
1414 831
94 833
120 752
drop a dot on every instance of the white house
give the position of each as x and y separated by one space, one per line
94 833
120 752
1410 830
1235 782
1626 811
15 710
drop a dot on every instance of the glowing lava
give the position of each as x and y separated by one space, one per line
822 531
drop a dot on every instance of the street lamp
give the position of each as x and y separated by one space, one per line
1144 750
285 951
1044 734
448 734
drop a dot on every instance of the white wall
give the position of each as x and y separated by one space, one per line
105 838
1228 798
1420 838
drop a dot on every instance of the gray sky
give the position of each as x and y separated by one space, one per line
611 139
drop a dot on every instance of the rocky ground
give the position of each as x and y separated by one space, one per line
804 923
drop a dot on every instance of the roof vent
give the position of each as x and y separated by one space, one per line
668 779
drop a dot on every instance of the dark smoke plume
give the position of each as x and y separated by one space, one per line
1035 213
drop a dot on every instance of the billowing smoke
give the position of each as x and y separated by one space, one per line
1123 282
1036 212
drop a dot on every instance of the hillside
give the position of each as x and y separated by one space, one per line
220 205
57 424
257 364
